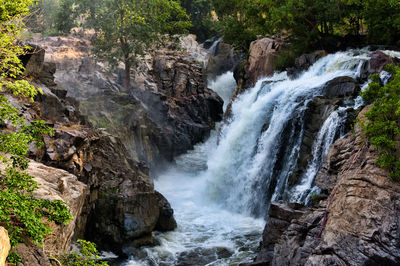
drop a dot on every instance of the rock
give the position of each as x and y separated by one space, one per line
279 219
261 60
4 246
202 256
31 254
378 61
222 59
341 87
166 220
168 110
57 184
32 60
304 62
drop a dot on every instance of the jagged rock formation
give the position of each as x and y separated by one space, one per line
167 111
120 207
4 246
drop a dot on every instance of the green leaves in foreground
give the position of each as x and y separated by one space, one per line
87 255
383 126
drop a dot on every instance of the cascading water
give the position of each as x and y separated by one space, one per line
219 187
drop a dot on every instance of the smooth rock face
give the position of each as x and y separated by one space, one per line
4 246
341 87
362 214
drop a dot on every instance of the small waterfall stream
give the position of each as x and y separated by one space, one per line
221 190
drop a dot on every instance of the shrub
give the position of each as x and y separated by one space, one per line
383 126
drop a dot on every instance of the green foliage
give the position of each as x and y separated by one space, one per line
383 126
14 258
309 24
21 213
200 13
125 29
87 255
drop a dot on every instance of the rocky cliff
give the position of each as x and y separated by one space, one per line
167 110
117 207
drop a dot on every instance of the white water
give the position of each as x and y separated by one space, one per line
219 187
224 85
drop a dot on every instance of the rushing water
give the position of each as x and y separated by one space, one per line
221 190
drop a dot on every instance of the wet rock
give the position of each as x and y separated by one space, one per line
222 60
166 220
341 87
202 256
303 62
4 245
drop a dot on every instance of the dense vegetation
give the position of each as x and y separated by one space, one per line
23 215
383 126
309 24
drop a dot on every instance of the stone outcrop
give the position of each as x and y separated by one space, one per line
362 214
57 184
120 206
4 246
167 110
54 184
261 62
222 58
303 62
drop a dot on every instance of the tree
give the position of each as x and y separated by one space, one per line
200 13
23 215
125 29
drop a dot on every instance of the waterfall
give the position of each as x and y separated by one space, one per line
213 48
221 190
224 85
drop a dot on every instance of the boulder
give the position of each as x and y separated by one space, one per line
304 61
379 60
223 58
341 87
166 221
261 61
4 246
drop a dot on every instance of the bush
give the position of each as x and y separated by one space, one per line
87 255
383 126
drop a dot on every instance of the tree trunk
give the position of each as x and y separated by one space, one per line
127 76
